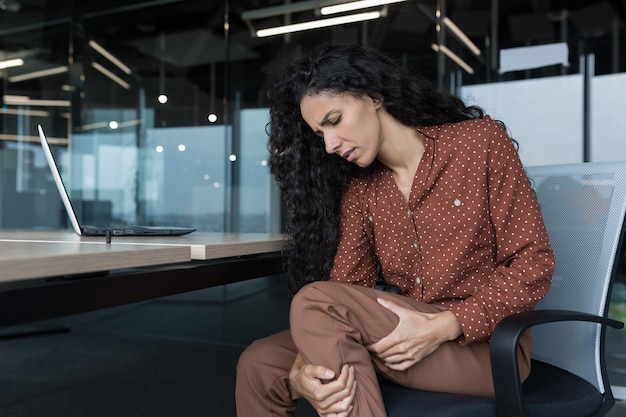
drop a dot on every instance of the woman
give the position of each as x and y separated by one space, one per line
381 172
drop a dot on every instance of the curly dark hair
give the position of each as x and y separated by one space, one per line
311 180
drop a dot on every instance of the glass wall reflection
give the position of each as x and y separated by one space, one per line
157 110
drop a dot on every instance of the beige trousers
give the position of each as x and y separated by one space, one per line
331 323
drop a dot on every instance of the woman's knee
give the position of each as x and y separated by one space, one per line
315 292
310 296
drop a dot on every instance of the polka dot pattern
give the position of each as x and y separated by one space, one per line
470 238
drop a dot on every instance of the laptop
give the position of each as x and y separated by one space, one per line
89 230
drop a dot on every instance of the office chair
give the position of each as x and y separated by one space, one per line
583 207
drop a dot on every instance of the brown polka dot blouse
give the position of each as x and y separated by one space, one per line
471 237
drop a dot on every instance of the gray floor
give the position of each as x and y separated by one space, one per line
174 356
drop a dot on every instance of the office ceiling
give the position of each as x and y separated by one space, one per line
187 37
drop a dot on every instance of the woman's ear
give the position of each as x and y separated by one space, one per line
377 102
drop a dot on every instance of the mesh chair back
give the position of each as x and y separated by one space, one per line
583 207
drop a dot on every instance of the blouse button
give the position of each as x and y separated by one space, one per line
415 245
410 213
418 280
457 202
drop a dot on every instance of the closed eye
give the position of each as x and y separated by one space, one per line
327 121
333 122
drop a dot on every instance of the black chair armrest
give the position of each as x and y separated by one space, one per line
503 350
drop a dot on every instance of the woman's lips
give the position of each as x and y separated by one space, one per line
349 155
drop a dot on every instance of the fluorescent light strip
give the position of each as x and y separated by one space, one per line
24 138
127 123
355 5
462 37
110 57
25 112
27 101
38 74
97 125
453 57
9 63
286 8
110 75
333 21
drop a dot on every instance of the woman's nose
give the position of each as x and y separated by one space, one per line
332 143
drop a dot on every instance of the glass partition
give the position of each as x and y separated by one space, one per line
608 125
185 175
543 115
157 109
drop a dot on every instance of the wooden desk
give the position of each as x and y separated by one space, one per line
57 283
203 245
20 260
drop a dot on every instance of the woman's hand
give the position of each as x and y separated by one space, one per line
416 336
330 398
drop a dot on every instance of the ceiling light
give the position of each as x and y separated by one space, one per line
314 24
453 57
38 74
110 75
27 101
112 124
92 126
461 36
25 112
355 5
285 9
127 123
27 138
110 57
9 63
